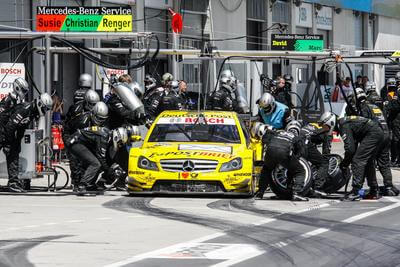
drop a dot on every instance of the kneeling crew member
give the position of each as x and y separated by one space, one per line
283 148
368 135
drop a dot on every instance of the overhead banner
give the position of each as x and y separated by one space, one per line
8 73
84 19
388 8
303 15
324 19
297 42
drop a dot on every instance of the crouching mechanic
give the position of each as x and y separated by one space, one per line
283 148
91 145
361 137
11 134
272 112
96 117
313 135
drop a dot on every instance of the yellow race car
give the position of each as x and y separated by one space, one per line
195 152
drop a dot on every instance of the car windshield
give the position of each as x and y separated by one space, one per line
176 131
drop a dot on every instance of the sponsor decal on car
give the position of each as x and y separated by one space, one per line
188 120
215 148
186 175
136 172
192 153
242 174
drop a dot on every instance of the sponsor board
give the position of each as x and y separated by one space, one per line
297 42
8 73
83 19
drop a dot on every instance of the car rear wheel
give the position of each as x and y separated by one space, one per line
278 181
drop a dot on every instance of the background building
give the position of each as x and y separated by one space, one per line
346 25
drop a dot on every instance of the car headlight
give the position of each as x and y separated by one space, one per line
235 164
145 163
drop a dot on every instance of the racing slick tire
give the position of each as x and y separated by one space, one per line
337 177
278 181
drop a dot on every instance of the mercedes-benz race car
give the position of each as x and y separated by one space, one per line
199 152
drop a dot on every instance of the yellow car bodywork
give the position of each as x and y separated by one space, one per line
240 181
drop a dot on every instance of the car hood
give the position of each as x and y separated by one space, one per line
220 152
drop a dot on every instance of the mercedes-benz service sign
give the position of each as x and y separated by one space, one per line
84 19
297 42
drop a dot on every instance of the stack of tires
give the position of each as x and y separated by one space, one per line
335 181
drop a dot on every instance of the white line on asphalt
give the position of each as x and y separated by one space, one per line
103 218
151 253
51 223
75 221
315 232
348 220
264 221
208 237
237 260
30 226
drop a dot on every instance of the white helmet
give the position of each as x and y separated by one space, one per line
44 103
227 77
91 98
85 80
119 137
258 129
360 94
370 87
294 127
328 119
136 88
20 88
166 78
227 73
99 113
267 103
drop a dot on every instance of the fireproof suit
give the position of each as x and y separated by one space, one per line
278 118
75 120
222 99
165 100
362 138
393 119
315 135
11 135
90 146
71 125
6 106
79 94
120 115
283 148
373 112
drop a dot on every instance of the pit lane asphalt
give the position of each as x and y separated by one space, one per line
61 229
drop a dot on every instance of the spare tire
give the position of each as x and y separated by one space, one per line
337 178
278 182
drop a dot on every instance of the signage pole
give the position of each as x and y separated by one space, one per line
47 128
175 57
